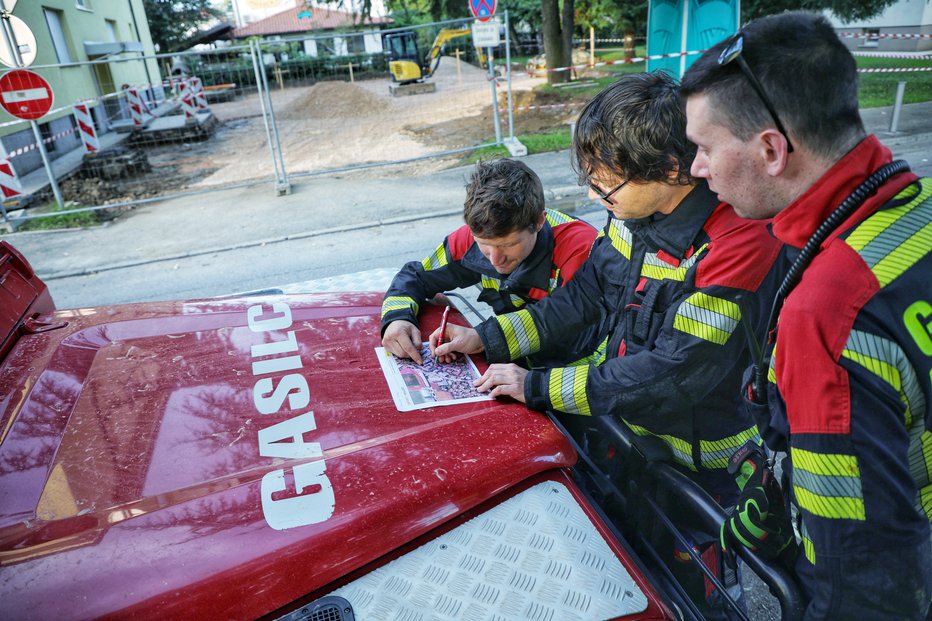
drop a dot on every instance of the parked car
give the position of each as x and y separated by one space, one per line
242 458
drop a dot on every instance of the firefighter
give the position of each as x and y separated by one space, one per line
675 271
774 111
513 247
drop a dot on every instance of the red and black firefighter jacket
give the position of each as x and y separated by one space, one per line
853 390
675 289
562 245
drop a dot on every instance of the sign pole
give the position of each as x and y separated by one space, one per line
10 38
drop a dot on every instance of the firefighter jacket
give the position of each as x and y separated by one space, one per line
853 373
675 289
563 243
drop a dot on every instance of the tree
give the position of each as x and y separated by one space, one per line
172 22
846 10
557 27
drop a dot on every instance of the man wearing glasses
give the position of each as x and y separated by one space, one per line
517 250
675 272
774 112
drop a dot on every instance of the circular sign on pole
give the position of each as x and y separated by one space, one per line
25 94
483 10
25 42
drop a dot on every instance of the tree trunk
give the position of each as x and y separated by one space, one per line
568 18
553 41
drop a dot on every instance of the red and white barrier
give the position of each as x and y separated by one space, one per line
9 183
137 107
85 122
200 99
188 100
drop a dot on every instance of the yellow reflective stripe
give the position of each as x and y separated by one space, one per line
435 260
808 548
567 390
596 358
716 453
621 238
884 371
707 317
682 450
520 333
893 240
920 465
397 302
488 282
555 218
663 272
828 485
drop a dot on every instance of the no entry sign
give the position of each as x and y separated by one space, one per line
25 94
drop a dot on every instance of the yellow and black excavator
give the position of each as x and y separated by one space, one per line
409 71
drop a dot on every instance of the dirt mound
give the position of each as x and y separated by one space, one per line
329 100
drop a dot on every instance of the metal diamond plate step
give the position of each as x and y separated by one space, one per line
535 556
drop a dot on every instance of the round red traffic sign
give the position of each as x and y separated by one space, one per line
25 94
483 10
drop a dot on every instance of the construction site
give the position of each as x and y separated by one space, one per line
159 144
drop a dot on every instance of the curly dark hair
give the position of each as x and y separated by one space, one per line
635 128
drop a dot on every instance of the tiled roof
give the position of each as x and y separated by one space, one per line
287 22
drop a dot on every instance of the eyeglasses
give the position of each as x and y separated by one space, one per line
732 52
607 196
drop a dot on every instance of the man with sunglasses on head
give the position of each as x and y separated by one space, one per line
675 272
774 112
511 246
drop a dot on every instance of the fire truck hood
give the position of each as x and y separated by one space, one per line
230 454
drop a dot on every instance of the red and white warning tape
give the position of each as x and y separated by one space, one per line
906 55
894 69
885 35
30 147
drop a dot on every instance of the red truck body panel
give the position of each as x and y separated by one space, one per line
131 479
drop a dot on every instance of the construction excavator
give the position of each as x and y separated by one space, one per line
409 71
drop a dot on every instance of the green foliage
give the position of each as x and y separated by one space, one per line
848 10
556 139
612 17
81 219
172 22
879 89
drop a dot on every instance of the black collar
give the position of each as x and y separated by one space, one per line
533 272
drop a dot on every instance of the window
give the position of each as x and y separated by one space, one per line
83 4
355 44
111 29
55 20
872 38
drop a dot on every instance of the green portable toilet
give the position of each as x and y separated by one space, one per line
706 23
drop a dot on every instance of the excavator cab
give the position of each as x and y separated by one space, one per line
404 59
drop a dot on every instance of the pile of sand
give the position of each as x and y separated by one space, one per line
329 100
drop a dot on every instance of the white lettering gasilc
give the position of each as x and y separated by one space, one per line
309 499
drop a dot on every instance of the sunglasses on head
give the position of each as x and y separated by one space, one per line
732 53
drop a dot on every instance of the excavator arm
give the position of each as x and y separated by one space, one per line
433 57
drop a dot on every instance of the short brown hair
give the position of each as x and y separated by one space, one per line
502 196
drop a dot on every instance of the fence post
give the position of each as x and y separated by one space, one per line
282 185
897 107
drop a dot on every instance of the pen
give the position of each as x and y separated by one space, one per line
443 325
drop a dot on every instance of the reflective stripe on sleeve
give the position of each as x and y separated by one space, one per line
828 485
396 303
520 333
567 388
707 317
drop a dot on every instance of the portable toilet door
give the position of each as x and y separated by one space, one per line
707 22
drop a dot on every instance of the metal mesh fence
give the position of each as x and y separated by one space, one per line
262 112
